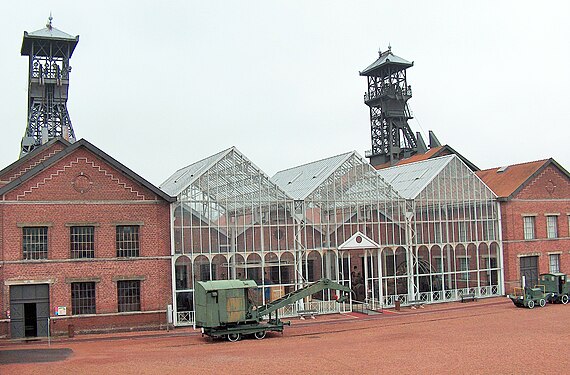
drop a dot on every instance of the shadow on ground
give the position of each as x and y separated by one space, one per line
33 355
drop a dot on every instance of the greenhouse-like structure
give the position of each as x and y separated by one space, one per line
337 218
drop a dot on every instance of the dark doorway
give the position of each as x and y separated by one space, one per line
29 310
30 320
529 269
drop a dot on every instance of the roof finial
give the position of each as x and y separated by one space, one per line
379 52
389 48
48 25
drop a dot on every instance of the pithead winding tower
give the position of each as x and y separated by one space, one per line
49 51
387 97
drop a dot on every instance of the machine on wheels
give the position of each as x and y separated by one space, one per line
223 308
528 297
555 287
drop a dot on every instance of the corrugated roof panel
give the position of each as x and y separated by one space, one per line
410 179
299 182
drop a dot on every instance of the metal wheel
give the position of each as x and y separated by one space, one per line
531 304
542 302
564 299
233 337
260 335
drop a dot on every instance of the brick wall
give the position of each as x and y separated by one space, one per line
82 188
547 193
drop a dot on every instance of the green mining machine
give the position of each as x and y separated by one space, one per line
223 308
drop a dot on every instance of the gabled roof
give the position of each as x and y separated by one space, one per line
433 152
91 148
386 58
300 181
507 181
231 181
31 155
410 179
183 177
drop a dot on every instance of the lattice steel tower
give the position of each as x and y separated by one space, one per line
49 51
387 97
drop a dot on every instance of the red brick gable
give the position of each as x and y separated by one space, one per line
25 164
550 183
80 176
515 179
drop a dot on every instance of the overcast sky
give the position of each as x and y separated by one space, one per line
159 85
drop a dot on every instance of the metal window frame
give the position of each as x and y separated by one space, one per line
82 241
83 298
35 242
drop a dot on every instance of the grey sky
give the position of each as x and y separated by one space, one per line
161 84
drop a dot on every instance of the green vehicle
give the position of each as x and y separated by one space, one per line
555 287
224 309
528 297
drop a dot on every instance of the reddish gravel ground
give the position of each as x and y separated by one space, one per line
485 337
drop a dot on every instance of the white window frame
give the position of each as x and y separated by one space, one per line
554 263
529 227
551 226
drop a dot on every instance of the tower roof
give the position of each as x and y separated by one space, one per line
48 33
386 59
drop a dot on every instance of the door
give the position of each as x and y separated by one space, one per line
29 309
529 269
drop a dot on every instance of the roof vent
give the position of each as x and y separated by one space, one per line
502 169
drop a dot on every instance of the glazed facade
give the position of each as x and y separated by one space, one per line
337 218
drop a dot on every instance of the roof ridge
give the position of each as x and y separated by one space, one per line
542 161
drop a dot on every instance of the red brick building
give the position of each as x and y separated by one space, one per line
535 216
84 241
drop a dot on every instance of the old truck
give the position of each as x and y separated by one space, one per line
224 309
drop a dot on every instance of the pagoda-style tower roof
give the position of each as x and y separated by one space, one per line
386 64
50 33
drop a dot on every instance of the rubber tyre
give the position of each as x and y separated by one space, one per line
530 304
542 302
564 299
260 335
233 337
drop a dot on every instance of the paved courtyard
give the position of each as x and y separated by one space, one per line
484 337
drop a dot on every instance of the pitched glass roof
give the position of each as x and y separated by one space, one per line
226 179
410 179
301 181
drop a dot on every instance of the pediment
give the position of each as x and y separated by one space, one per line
359 241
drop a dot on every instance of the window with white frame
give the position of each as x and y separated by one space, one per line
554 263
463 268
528 222
462 227
552 226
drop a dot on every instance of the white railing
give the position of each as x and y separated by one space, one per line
444 296
320 307
185 318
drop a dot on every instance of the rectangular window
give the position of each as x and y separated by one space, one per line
83 298
552 226
127 241
82 241
554 263
129 295
35 242
528 227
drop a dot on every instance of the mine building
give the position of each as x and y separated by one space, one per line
535 217
85 240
